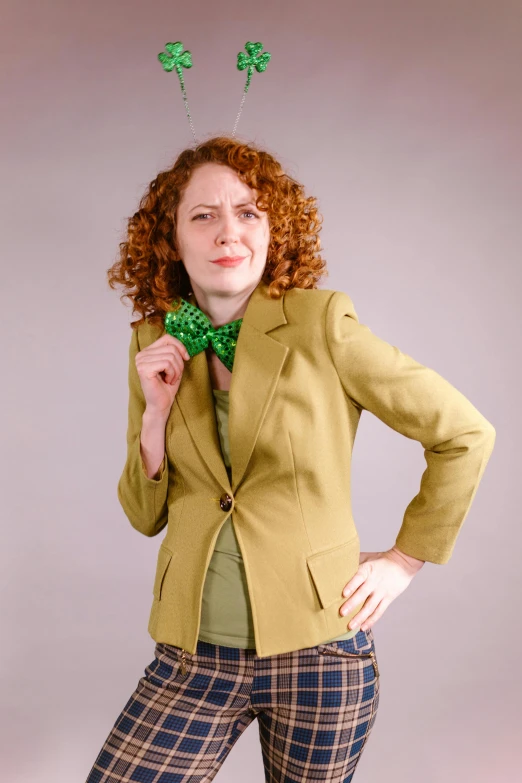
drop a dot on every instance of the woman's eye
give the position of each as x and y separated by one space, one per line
205 214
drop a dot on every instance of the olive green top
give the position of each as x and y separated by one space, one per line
226 618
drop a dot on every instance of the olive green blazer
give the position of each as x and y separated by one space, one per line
304 370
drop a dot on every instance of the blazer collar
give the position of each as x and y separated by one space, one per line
258 361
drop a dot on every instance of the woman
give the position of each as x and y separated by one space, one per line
263 603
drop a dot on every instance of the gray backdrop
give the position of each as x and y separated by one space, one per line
405 119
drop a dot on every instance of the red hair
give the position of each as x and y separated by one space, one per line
149 266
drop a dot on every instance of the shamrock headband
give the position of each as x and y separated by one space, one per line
176 58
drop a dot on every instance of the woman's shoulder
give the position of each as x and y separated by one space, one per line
308 301
147 332
310 295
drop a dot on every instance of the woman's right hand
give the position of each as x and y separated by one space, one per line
160 368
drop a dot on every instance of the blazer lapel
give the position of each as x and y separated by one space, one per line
196 402
257 365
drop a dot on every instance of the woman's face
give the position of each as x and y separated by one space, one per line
217 217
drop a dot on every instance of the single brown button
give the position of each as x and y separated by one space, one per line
225 501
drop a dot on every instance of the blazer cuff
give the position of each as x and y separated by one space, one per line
143 499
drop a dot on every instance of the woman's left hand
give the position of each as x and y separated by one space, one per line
381 577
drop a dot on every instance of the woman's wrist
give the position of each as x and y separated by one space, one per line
412 563
152 442
155 417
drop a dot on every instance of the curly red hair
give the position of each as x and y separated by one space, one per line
149 266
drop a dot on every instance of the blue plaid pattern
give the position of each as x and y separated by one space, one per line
315 708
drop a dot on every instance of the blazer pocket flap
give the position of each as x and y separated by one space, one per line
332 568
164 558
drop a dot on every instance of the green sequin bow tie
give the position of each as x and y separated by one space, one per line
194 329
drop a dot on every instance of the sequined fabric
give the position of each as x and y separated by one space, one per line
194 329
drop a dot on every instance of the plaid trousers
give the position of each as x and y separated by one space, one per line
315 709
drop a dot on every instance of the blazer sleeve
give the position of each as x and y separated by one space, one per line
417 402
143 499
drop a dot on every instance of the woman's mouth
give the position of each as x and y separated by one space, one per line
229 260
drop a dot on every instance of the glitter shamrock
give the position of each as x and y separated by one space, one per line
178 59
254 60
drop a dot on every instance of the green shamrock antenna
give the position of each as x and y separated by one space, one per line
175 58
178 59
253 60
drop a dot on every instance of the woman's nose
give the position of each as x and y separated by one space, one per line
228 231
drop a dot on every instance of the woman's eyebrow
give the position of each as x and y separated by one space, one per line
216 206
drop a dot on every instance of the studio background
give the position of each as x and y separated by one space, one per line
405 120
